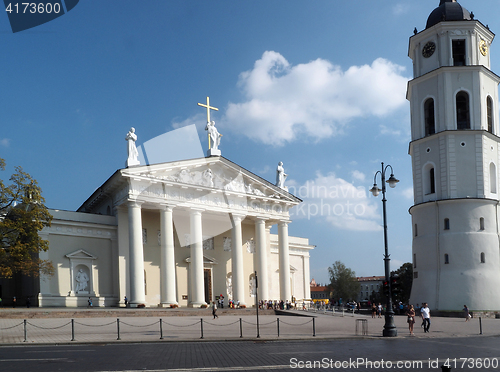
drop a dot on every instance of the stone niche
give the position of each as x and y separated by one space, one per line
82 268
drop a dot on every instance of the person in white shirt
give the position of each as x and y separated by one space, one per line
426 316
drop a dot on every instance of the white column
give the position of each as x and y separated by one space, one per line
136 254
196 269
167 257
284 261
262 252
237 261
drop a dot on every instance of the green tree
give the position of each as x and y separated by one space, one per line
22 215
343 282
405 274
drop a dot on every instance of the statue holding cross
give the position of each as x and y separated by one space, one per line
213 134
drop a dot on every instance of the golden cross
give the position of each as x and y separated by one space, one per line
208 108
208 115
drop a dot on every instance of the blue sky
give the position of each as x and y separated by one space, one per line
319 85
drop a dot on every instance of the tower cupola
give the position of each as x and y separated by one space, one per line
448 10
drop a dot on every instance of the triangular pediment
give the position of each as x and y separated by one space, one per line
215 173
81 254
207 260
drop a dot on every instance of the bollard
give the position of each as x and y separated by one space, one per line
161 330
25 331
342 312
72 329
201 322
278 322
480 326
241 329
118 328
314 327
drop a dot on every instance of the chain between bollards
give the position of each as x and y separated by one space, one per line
72 330
118 327
161 330
201 322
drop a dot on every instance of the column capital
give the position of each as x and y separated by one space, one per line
167 206
238 217
196 210
134 203
284 222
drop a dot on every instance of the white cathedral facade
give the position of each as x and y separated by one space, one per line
455 151
179 233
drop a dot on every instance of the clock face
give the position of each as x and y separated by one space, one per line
483 47
428 49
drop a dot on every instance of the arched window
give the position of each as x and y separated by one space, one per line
483 259
493 178
430 126
446 259
446 223
489 113
481 223
463 115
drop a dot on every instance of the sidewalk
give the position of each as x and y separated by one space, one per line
67 326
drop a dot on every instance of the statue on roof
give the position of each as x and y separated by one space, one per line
214 135
281 176
133 154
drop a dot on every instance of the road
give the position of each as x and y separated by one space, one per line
380 354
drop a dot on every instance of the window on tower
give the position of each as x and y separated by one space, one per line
493 178
446 223
430 127
446 259
481 223
489 113
458 52
463 115
483 259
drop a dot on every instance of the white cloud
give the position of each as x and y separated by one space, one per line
315 99
408 193
5 142
344 205
358 176
400 9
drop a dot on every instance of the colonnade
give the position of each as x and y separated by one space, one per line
167 257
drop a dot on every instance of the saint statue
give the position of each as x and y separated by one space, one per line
214 135
131 137
280 176
81 280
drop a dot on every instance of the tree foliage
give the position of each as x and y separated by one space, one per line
343 282
22 215
405 274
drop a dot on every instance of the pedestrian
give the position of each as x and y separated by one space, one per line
126 301
374 310
466 313
28 302
90 302
411 319
214 309
379 310
14 302
426 316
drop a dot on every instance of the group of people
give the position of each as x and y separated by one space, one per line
425 314
276 305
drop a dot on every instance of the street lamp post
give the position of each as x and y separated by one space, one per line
390 329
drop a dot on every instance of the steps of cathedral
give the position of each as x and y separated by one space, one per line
96 312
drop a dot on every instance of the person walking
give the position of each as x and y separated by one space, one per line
214 309
466 313
426 317
379 310
89 302
411 319
374 310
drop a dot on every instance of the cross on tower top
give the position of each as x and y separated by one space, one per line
208 108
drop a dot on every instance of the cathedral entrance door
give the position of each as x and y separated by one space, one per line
207 276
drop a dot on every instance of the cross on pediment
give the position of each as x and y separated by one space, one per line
208 108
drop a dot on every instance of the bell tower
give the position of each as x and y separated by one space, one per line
455 151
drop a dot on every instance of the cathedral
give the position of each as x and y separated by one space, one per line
455 152
176 233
